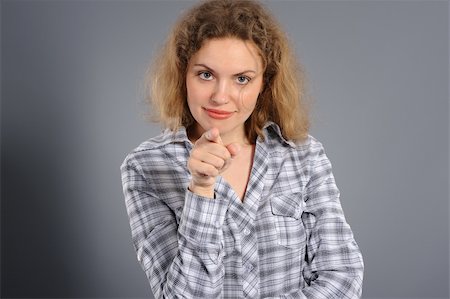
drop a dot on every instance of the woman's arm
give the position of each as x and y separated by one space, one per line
180 261
334 265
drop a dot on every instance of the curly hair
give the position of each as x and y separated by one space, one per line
283 98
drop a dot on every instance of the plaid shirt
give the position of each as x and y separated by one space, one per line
287 239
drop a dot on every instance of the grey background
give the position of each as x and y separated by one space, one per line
72 109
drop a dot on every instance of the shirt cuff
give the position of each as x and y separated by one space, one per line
202 219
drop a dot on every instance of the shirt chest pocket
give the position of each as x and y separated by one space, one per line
287 210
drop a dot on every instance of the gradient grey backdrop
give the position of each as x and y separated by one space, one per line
72 109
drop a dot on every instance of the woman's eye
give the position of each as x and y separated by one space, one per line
205 76
243 79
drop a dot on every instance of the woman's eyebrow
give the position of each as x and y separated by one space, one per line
204 66
212 71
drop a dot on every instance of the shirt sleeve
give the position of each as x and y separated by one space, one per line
334 265
180 260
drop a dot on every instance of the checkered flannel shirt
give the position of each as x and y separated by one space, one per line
287 239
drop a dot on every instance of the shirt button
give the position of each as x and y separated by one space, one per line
246 232
248 267
217 224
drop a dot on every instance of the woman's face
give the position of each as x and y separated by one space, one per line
223 81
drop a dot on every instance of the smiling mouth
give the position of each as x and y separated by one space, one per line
218 114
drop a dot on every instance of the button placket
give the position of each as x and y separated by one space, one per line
248 247
249 261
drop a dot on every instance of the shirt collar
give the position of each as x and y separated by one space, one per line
271 126
178 136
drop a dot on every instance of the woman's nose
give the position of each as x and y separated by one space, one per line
221 94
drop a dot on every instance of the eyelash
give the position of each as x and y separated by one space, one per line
201 74
246 78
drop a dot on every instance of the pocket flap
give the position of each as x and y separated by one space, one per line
288 205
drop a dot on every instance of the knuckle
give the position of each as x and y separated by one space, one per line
226 154
212 171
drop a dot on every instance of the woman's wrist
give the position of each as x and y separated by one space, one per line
207 191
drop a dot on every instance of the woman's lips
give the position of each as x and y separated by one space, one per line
218 114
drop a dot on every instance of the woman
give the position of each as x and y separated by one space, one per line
234 199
